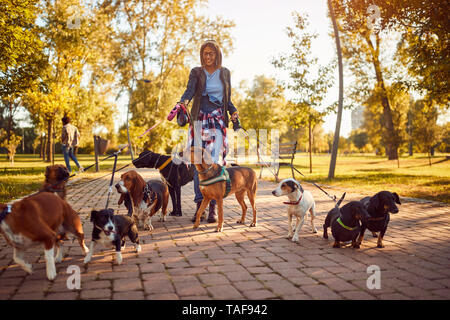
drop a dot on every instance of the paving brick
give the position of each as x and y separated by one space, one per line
213 279
320 292
129 284
96 294
357 295
177 262
224 292
259 294
129 295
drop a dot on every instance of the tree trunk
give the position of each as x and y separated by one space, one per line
310 147
390 136
49 144
341 95
43 147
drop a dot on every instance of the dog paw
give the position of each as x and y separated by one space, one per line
380 246
240 222
314 230
87 259
51 275
253 224
28 268
295 239
356 246
138 248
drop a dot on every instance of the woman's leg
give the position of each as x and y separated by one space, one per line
198 194
66 157
216 152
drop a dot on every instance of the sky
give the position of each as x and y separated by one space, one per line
260 35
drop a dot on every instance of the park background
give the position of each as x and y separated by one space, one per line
94 60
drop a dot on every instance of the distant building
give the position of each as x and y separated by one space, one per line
357 118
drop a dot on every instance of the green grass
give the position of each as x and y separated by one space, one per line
27 174
357 173
415 178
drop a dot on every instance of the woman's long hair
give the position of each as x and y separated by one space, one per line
213 45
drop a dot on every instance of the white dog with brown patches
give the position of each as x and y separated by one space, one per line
300 202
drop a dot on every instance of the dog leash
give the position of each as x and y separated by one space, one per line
273 172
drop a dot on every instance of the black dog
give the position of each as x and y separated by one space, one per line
110 229
176 175
344 222
379 206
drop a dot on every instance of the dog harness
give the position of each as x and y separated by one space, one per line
223 176
344 226
5 212
296 202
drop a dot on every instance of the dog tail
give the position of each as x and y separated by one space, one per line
340 200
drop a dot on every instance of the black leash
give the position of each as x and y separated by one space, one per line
269 167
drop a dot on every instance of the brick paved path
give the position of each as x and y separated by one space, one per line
177 262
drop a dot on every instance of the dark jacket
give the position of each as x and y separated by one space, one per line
196 85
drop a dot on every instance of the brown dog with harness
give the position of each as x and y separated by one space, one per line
217 182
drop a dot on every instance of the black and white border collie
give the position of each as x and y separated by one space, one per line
110 230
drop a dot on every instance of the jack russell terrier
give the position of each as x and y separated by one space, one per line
300 202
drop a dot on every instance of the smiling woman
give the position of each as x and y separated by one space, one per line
210 88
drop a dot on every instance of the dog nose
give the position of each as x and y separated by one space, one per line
395 210
273 192
110 228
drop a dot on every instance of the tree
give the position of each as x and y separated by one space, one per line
362 48
21 50
263 103
374 117
154 42
10 144
424 45
359 138
425 133
310 89
75 59
341 92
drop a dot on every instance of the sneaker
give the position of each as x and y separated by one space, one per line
81 169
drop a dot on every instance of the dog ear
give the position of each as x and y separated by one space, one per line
122 197
396 198
93 215
375 201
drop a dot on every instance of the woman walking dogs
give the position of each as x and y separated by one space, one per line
209 86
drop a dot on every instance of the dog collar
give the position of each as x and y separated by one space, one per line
376 218
165 164
344 226
5 212
206 170
294 203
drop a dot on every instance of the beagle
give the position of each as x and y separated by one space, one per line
143 199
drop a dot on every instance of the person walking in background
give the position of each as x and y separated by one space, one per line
70 138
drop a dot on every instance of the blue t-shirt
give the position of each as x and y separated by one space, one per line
214 87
